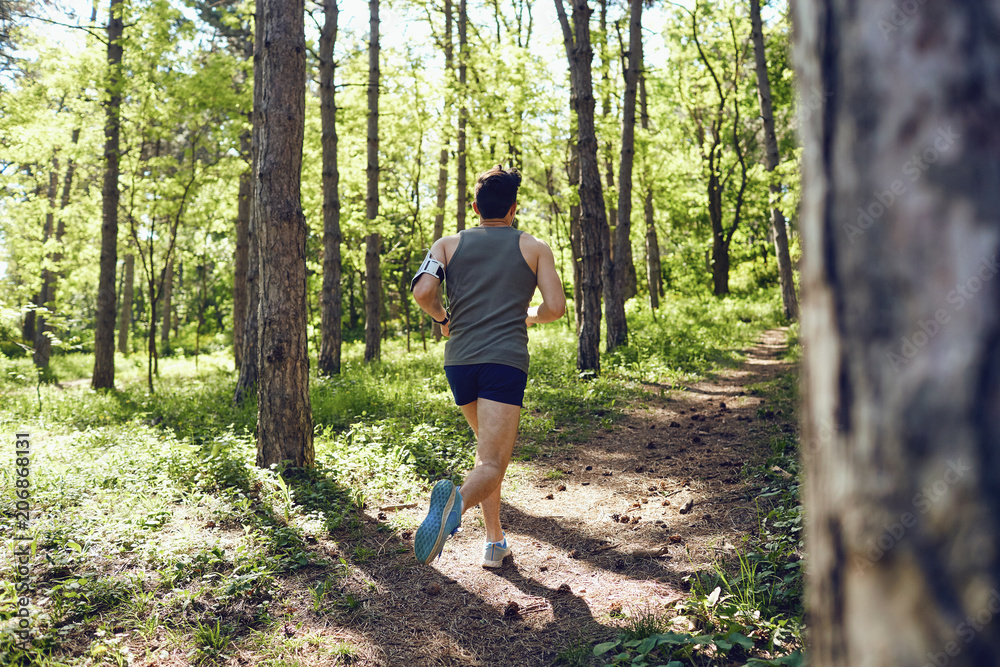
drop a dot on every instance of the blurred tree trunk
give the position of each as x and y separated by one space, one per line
244 203
104 330
241 261
442 184
901 331
125 312
621 258
331 299
616 328
284 416
28 323
373 242
609 150
249 367
462 188
43 344
593 226
788 299
168 293
654 273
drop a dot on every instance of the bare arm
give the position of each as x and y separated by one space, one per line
425 292
553 299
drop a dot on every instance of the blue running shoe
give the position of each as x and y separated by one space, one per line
443 520
495 552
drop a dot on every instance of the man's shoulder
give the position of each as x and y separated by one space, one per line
532 242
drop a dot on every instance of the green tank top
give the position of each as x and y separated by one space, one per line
489 288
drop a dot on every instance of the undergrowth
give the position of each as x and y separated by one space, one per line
749 604
150 517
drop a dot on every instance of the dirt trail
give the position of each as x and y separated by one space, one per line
664 478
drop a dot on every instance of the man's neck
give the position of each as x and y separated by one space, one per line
494 222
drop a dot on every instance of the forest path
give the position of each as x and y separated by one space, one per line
582 525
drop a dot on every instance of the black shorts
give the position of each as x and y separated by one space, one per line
495 382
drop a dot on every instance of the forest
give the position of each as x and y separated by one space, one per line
775 230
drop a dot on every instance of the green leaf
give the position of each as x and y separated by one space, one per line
741 639
601 649
648 645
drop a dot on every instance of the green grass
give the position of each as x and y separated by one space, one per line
126 482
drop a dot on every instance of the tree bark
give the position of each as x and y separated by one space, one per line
284 417
28 324
785 278
573 174
104 329
462 188
593 219
654 274
373 242
244 204
442 184
331 300
901 331
43 344
240 264
168 293
125 312
614 298
246 384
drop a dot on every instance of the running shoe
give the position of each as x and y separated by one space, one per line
495 552
443 520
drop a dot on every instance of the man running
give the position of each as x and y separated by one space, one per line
492 271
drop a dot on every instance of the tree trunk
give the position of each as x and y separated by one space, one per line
168 293
331 300
788 299
373 242
28 324
244 205
442 184
720 253
240 264
284 416
593 220
609 151
43 344
125 312
152 361
104 329
373 298
654 274
614 298
573 173
900 329
246 384
462 189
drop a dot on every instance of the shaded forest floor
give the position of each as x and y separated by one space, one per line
625 524
586 525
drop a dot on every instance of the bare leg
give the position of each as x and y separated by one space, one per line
495 425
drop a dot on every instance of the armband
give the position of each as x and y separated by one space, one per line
430 266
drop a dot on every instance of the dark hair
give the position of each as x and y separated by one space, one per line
496 190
